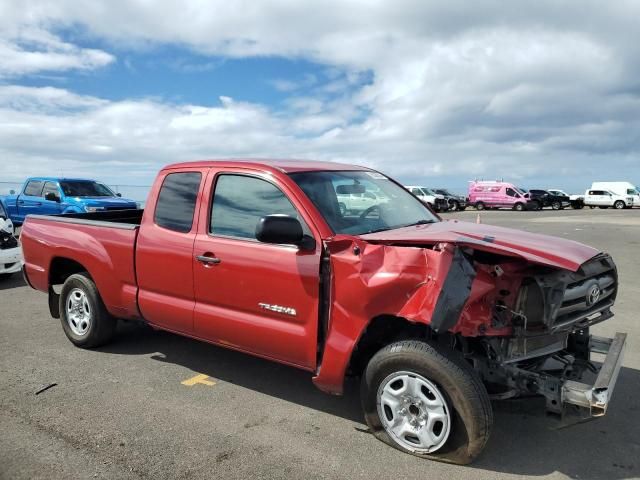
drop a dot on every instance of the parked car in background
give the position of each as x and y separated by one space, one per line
456 202
10 253
51 195
431 198
577 201
499 194
545 198
605 199
255 256
624 189
355 203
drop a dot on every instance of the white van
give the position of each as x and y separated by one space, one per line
620 188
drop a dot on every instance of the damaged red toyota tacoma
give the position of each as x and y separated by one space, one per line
436 317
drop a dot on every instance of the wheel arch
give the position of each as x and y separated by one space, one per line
61 268
381 331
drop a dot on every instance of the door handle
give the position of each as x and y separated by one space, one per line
207 260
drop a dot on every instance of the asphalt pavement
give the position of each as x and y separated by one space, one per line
156 405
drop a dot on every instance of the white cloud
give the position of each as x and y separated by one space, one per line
33 50
516 89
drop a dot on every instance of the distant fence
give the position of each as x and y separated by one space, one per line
134 192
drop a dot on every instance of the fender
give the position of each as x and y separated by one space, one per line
369 280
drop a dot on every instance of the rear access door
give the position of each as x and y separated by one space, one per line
164 250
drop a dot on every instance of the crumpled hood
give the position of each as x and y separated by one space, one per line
533 247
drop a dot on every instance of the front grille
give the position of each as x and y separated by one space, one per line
9 265
569 300
590 294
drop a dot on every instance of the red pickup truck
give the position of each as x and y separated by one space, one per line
436 317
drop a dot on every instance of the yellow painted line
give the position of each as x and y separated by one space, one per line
201 379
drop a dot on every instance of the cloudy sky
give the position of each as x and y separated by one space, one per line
545 93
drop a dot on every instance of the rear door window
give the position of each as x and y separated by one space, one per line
177 201
34 188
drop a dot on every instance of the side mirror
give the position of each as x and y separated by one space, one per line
52 197
526 195
279 229
118 194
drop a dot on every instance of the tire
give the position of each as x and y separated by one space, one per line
343 208
5 276
556 206
518 207
454 206
90 325
619 205
448 379
480 206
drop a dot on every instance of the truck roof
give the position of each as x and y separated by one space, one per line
58 179
270 164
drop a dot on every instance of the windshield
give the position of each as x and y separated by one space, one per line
520 190
443 191
3 214
359 202
85 188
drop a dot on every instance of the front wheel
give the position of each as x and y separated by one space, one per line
85 320
455 206
556 205
427 401
619 205
518 207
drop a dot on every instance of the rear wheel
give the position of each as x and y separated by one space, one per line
427 401
455 206
85 320
480 206
619 205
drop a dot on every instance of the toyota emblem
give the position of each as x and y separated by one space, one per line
593 295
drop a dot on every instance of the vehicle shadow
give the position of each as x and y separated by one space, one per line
14 281
524 440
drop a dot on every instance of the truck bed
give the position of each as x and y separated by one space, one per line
100 243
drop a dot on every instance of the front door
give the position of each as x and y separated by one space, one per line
252 296
51 207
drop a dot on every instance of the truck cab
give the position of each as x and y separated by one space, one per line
53 195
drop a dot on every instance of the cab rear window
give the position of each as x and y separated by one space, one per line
177 201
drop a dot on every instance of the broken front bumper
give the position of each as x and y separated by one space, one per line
595 398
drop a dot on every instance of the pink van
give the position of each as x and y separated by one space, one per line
486 194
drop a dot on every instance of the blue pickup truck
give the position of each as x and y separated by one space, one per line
50 195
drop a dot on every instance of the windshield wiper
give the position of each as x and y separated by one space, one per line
419 222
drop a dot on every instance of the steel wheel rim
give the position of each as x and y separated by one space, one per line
78 311
414 412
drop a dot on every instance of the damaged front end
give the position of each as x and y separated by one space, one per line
550 349
521 320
